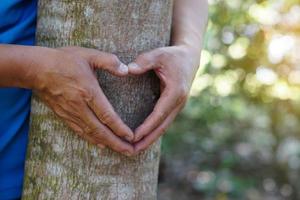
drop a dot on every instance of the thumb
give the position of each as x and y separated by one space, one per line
109 62
99 59
143 63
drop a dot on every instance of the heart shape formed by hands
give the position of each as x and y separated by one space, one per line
175 67
71 90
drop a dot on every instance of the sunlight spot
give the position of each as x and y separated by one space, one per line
281 90
292 18
264 15
252 85
266 75
227 37
279 46
218 61
224 84
234 4
205 58
200 83
294 77
239 48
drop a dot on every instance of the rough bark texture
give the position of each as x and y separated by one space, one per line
59 164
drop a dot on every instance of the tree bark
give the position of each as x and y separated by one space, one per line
59 164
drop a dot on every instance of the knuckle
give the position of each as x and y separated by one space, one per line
74 102
95 133
160 115
120 148
162 131
182 94
164 55
79 133
143 57
88 139
112 145
59 112
114 60
91 131
87 94
78 110
106 117
73 127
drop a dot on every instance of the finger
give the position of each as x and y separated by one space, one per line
103 60
89 120
143 63
74 123
164 106
104 137
76 128
100 59
79 131
159 131
101 134
91 140
101 146
106 114
109 62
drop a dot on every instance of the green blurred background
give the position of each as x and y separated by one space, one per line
238 136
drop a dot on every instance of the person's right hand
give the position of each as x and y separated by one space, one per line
66 82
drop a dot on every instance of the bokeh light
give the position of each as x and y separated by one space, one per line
239 134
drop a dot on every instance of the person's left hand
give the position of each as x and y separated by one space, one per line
176 67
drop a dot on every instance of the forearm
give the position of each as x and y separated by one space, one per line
176 67
19 65
189 23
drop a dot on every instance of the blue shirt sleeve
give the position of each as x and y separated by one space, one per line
17 26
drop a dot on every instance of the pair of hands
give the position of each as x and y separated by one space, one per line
69 87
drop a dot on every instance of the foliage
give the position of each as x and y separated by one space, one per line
238 136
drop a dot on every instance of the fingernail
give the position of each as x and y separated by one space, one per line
123 68
133 65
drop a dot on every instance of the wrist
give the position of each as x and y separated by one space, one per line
191 42
33 63
18 64
189 47
192 53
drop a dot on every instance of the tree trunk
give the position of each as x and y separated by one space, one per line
59 164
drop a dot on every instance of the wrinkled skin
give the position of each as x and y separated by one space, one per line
70 88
